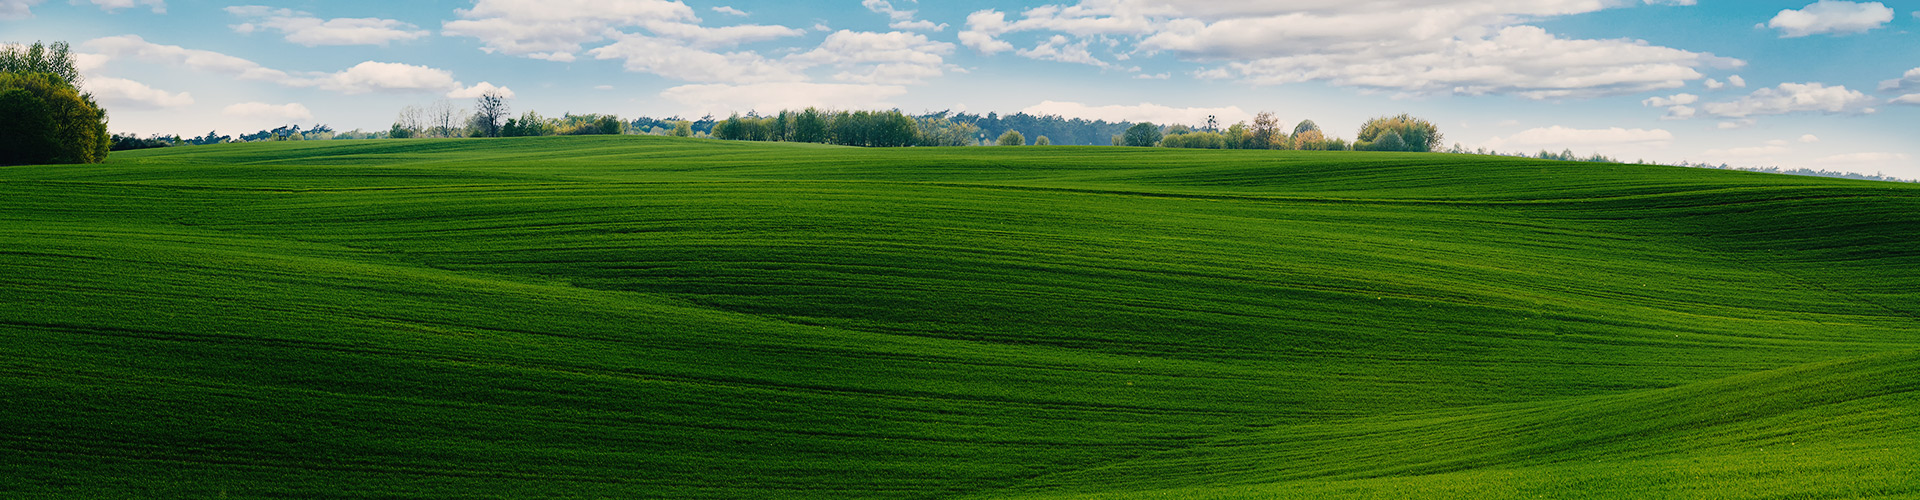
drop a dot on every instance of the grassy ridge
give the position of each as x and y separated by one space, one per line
625 316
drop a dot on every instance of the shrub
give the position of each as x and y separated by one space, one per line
1042 141
1012 138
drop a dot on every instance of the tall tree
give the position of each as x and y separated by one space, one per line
1143 135
1266 130
488 110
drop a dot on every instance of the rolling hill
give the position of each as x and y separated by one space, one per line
641 317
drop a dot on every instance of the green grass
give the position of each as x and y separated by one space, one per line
626 317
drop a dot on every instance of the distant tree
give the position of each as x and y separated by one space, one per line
810 125
399 132
682 128
1144 135
488 111
1309 140
1266 131
1239 136
1195 140
50 120
1415 134
442 118
1305 126
1179 129
1042 141
1011 138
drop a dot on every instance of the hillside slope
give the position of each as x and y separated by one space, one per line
596 317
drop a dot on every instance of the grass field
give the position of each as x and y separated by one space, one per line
638 317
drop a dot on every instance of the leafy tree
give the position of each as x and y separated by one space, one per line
1239 136
26 133
1011 138
1309 140
1305 126
682 128
1144 135
77 126
810 125
1415 134
1195 140
1265 132
55 58
399 132
1042 141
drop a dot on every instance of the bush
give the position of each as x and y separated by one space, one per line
1012 138
1195 140
53 122
1042 141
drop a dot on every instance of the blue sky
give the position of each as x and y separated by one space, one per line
1829 85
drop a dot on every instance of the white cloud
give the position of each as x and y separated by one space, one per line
982 27
552 28
883 58
1155 76
1910 80
159 6
1912 99
370 76
720 98
1737 81
1679 106
365 77
1558 137
480 89
1143 112
1521 60
1809 139
120 92
900 19
670 59
1793 98
697 36
919 25
1419 47
17 9
269 113
1831 17
729 10
1060 49
1713 84
302 28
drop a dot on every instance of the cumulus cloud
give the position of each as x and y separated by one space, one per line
729 10
120 92
1563 137
556 27
1909 99
883 58
17 9
159 6
1060 49
1909 81
1793 98
480 89
725 98
1679 106
1831 17
671 59
269 113
1426 47
362 78
900 19
1737 81
1143 112
302 28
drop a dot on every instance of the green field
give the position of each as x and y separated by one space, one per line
640 317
